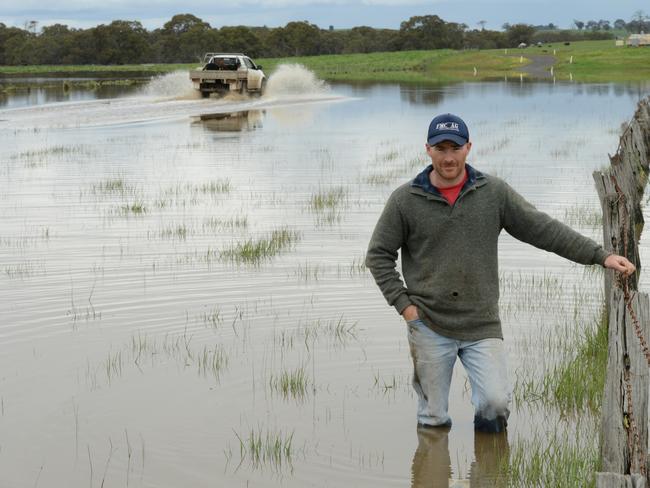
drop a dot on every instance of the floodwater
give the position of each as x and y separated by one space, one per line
141 346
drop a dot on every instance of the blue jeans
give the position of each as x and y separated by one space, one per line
484 360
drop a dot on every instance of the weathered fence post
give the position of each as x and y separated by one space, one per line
624 449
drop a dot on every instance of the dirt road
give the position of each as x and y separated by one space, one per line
540 66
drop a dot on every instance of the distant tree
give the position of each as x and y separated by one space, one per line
19 47
592 25
549 26
519 33
185 38
8 45
579 24
54 45
332 41
481 24
239 39
183 23
639 23
31 26
430 32
366 40
121 42
619 24
303 38
485 39
604 25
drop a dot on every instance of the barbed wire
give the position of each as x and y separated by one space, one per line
623 283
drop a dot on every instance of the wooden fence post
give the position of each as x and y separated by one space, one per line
624 449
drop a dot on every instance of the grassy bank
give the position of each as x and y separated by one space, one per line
589 61
92 69
406 66
595 61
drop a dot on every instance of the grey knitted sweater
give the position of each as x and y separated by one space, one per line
449 252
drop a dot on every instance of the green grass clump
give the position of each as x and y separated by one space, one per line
135 208
560 460
267 449
254 251
216 223
212 361
112 185
217 186
292 383
327 199
576 384
179 232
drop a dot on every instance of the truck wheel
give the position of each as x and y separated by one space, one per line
244 87
263 87
205 94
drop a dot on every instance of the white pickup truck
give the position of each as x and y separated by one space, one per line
228 72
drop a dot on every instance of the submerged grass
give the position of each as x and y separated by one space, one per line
561 459
136 208
328 199
291 383
254 251
267 449
217 223
113 186
212 361
575 384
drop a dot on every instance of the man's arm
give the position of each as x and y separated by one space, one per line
524 222
381 257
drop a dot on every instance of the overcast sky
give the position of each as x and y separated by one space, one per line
339 13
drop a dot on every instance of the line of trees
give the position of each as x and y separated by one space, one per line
640 23
185 37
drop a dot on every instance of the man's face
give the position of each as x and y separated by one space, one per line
448 159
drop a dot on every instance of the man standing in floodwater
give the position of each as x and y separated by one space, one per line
446 222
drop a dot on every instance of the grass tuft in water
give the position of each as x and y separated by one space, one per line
136 208
267 449
212 361
292 383
179 231
559 459
215 223
328 199
254 251
112 185
575 384
216 186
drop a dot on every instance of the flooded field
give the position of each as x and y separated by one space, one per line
185 301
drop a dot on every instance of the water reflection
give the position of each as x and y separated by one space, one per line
27 91
232 122
423 95
431 467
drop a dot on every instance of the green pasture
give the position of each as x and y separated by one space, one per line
405 66
602 61
593 61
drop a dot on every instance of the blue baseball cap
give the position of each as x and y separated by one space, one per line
448 127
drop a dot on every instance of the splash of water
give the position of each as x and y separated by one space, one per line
294 79
171 85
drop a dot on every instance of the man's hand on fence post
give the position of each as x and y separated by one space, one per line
620 264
